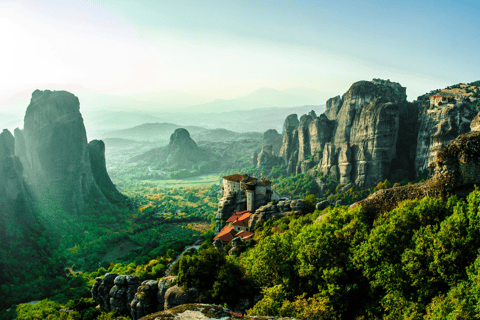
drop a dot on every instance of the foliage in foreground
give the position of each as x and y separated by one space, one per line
419 261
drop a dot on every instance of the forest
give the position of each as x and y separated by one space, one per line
418 261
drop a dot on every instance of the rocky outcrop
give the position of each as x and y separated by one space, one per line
290 124
16 209
273 138
230 203
96 150
181 153
145 300
267 158
457 170
275 211
123 292
357 139
101 290
176 296
130 297
437 127
198 311
55 153
373 133
163 285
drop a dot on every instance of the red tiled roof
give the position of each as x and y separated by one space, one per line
226 234
236 177
235 216
243 219
244 234
240 218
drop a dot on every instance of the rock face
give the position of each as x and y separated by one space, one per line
162 289
176 296
363 137
96 149
373 133
267 158
181 153
439 126
101 290
145 300
129 297
15 200
54 151
123 293
198 311
457 170
275 211
273 138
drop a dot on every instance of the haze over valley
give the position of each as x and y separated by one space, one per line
235 159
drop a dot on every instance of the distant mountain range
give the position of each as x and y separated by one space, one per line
227 125
261 98
150 131
119 109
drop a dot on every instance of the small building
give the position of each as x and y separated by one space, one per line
239 220
444 97
226 234
237 225
245 235
253 188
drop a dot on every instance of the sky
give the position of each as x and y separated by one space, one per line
203 50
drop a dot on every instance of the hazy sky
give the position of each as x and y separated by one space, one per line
225 49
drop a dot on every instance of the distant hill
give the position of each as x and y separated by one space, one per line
261 98
119 142
259 120
225 135
181 153
150 131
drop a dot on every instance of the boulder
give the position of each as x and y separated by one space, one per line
322 205
162 289
176 296
297 205
145 300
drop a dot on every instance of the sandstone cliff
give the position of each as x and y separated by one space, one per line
54 151
356 139
373 133
15 201
446 114
456 169
96 150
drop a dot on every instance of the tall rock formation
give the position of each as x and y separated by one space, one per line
54 151
267 158
373 133
96 150
181 153
16 208
356 139
446 114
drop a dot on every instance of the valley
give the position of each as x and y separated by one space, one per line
128 204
